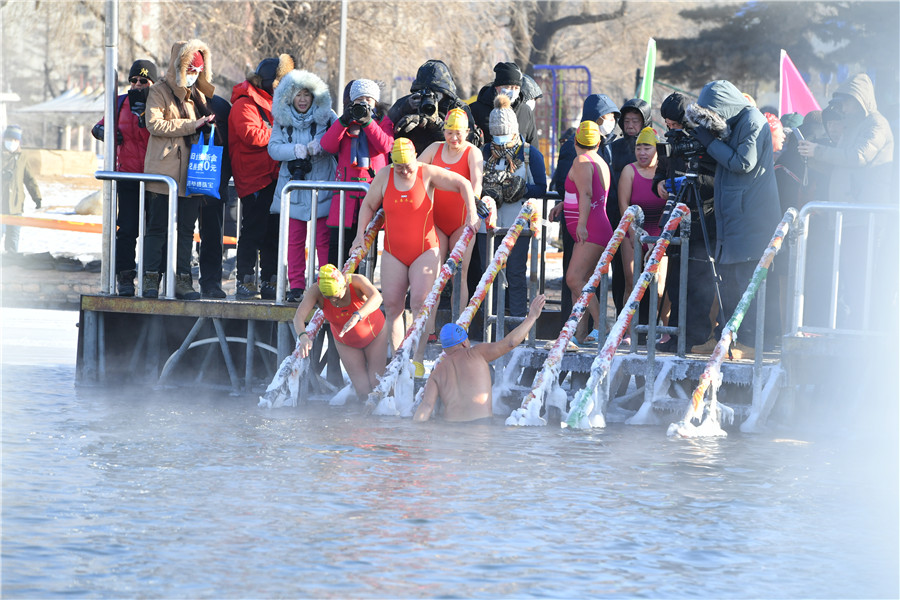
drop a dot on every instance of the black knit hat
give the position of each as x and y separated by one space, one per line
266 70
507 73
673 107
143 68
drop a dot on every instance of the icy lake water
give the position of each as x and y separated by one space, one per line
140 493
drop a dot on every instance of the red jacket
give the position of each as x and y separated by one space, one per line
248 139
130 153
337 140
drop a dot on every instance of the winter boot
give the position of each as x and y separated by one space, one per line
294 296
267 291
246 289
125 283
151 285
184 287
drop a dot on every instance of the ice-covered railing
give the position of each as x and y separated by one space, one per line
398 376
285 387
584 412
704 419
545 381
528 216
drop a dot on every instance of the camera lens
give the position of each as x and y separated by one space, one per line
359 111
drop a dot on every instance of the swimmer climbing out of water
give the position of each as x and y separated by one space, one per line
410 261
462 379
352 307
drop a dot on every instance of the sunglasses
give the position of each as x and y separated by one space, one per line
141 80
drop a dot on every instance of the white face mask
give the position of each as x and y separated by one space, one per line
502 140
606 127
190 79
512 92
11 145
531 103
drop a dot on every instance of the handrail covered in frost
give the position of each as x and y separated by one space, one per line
582 405
529 412
708 415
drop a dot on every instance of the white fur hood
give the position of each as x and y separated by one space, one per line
296 80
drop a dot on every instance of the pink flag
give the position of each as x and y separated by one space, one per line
795 95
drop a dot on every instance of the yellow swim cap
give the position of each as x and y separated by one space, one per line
588 134
457 120
331 281
403 152
646 136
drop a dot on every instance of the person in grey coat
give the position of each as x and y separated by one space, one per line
301 109
738 137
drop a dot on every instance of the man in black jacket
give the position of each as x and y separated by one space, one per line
507 80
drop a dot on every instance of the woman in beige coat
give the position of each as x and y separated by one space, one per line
176 109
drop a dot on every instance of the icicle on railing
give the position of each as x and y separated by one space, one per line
398 376
527 216
545 382
285 386
707 416
583 404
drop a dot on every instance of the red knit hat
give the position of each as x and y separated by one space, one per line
197 63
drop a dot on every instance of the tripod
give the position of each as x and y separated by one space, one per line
689 194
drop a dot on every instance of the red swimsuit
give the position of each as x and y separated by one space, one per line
408 220
363 332
449 207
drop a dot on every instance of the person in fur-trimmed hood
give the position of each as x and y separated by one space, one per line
177 107
255 175
302 111
738 137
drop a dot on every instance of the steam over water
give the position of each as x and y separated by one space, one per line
135 492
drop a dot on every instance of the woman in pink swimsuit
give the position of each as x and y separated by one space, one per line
584 208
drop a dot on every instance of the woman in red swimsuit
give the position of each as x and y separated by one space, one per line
352 309
457 155
410 261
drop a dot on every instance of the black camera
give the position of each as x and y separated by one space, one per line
359 111
428 103
682 144
298 168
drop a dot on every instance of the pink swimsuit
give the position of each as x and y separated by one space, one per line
599 229
642 195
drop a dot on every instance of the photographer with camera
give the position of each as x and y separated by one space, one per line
420 116
738 137
131 147
680 158
361 139
508 80
302 111
255 175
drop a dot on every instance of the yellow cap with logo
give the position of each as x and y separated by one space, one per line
588 134
646 136
457 120
403 151
331 281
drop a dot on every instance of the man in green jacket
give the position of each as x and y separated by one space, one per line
16 178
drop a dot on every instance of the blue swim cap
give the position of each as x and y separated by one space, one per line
452 334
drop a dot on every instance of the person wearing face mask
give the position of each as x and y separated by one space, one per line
513 172
361 146
131 148
255 176
302 111
177 109
508 81
17 177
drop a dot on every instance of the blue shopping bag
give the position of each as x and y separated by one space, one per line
205 167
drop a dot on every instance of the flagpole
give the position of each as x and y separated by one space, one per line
781 83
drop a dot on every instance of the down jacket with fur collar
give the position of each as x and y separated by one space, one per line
173 116
292 128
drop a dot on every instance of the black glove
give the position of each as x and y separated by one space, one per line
120 139
363 122
482 208
97 132
407 124
37 202
703 135
345 119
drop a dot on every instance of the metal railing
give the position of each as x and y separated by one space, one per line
108 276
799 264
283 223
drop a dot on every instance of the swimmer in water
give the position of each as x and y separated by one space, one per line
462 379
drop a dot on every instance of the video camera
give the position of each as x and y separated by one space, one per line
681 143
428 103
299 168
